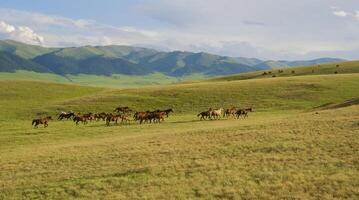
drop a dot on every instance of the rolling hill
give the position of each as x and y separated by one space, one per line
127 60
318 69
282 150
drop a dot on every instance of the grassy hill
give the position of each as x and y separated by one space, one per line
319 69
113 81
284 150
284 63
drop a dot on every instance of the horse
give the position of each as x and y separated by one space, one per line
216 113
79 118
168 111
250 109
66 115
141 116
243 112
112 118
44 121
100 116
124 109
88 116
159 116
231 111
204 115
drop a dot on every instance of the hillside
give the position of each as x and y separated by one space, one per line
319 69
282 146
10 63
305 92
23 50
283 63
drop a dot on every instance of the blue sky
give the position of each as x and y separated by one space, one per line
276 29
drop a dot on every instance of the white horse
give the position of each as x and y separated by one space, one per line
216 113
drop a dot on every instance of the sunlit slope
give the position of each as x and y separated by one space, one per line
24 98
320 69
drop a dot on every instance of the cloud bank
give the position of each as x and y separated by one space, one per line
20 33
278 29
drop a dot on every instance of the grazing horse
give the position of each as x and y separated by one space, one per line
66 115
204 115
44 121
216 113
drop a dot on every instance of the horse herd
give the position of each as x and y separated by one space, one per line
123 115
225 113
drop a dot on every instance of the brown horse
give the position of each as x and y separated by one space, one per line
124 109
158 116
44 121
230 112
100 116
79 118
88 116
112 118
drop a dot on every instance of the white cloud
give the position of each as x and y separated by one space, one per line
278 29
340 13
20 33
356 15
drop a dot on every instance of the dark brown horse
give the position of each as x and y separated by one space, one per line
44 121
204 115
168 111
64 115
124 109
243 112
100 116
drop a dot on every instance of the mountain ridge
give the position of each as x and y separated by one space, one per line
130 60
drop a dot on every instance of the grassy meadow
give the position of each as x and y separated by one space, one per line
113 81
286 149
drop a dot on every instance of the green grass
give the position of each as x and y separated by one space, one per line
284 150
114 81
320 69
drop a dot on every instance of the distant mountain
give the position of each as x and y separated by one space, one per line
10 63
23 50
117 59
